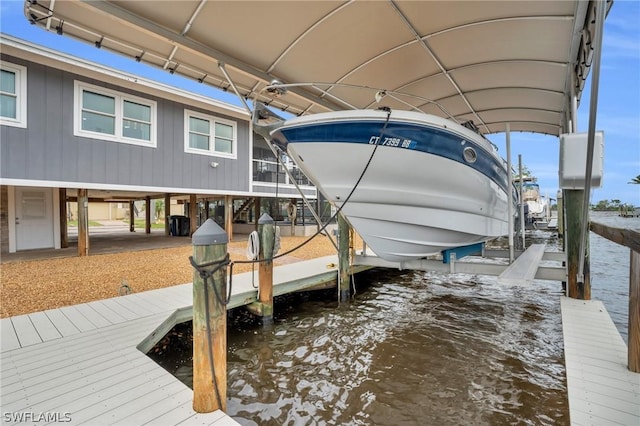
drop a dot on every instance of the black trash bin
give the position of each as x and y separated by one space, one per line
179 226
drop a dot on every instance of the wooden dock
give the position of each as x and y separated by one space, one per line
601 389
84 364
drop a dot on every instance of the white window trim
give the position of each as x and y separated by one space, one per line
120 97
212 120
21 96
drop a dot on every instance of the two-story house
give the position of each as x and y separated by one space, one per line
73 130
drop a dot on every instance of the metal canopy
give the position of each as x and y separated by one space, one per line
493 62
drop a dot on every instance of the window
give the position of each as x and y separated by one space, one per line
13 95
106 114
209 135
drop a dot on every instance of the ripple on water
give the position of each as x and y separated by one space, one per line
412 348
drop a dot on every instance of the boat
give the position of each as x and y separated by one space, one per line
537 211
411 184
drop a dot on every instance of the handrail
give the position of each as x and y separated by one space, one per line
628 238
625 237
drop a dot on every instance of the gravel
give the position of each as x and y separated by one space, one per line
38 285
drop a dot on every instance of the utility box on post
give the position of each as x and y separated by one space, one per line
573 160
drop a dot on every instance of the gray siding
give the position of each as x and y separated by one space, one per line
48 150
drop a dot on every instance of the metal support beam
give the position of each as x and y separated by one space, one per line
593 109
510 192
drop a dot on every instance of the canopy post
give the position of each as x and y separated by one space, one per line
510 194
522 218
593 109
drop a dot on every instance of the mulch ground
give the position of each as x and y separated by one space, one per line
38 285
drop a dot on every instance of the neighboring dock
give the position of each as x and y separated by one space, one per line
85 363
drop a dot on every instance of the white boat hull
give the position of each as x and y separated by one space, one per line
426 205
409 204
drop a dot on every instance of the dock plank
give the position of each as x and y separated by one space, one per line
8 337
185 396
109 314
601 389
92 315
75 316
181 414
25 330
44 326
523 270
136 308
108 400
121 310
61 322
124 405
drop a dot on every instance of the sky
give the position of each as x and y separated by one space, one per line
618 112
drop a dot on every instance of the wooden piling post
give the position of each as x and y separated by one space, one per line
64 229
83 222
193 213
634 313
267 232
573 201
343 259
167 213
256 210
209 245
147 215
132 216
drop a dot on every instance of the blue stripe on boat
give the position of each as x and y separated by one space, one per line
417 137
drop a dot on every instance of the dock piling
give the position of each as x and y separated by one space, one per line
264 306
343 258
267 231
209 318
573 200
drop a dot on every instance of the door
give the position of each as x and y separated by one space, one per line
34 218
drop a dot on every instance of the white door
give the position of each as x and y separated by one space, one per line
34 218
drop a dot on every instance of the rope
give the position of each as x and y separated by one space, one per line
207 274
344 203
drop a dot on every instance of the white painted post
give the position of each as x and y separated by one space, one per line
510 193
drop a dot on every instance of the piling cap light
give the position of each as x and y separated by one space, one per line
209 233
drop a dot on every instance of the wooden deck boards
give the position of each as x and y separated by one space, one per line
601 389
83 359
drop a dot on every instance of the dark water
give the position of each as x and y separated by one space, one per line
412 348
610 270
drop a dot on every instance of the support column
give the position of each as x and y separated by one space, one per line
634 313
264 306
257 210
560 212
343 259
132 216
83 222
209 321
64 230
147 215
193 214
228 216
167 213
573 201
